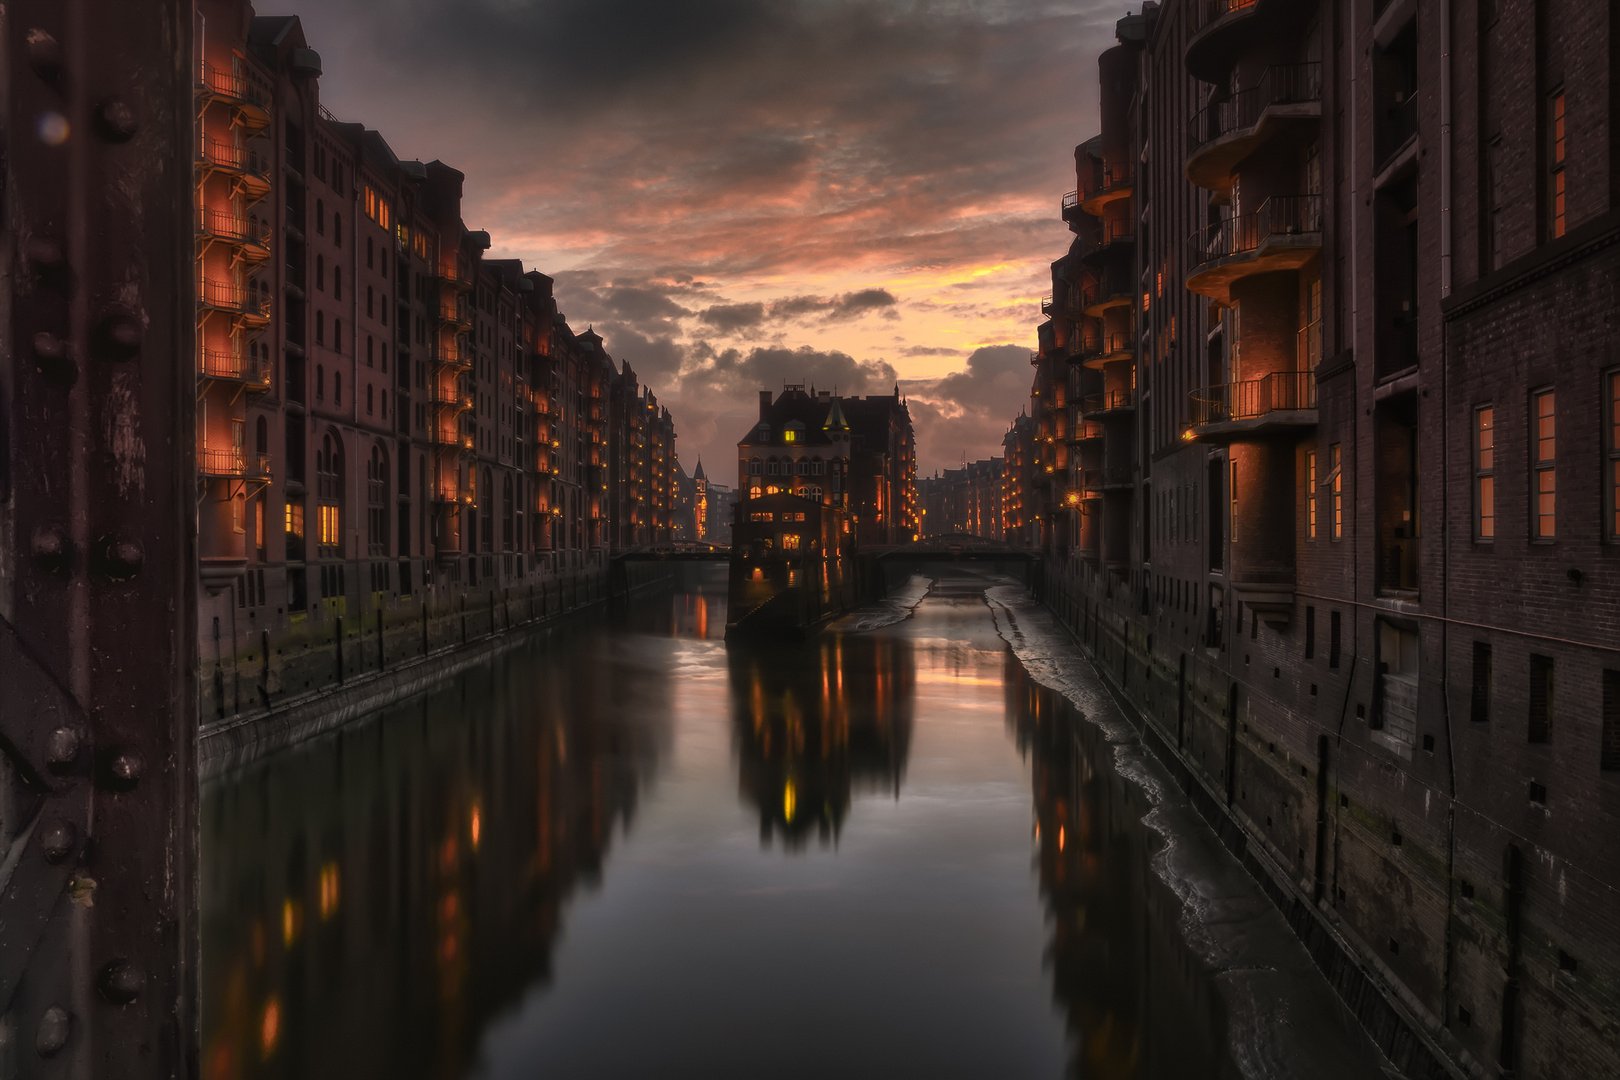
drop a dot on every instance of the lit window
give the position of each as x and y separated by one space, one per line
377 207
1484 473
327 524
789 435
1310 494
790 541
1546 475
295 519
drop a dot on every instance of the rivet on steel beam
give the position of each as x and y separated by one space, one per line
122 982
116 120
53 1030
125 768
118 337
51 550
57 840
51 357
45 54
62 747
120 559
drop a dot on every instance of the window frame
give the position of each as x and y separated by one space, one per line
1484 470
1310 495
1557 189
1611 483
1335 482
1543 465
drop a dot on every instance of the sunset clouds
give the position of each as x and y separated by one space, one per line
738 193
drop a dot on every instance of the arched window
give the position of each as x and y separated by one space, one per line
753 466
337 232
371 351
377 501
320 328
371 295
320 217
370 394
320 382
337 282
772 467
329 492
320 272
337 388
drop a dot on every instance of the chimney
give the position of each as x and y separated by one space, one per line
764 403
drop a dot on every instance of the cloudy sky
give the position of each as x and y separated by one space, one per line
742 193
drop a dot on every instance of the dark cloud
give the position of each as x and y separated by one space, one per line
966 412
731 317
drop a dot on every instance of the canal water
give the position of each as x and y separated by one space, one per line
625 850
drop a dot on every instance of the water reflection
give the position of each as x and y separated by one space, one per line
390 901
1137 1000
816 724
370 900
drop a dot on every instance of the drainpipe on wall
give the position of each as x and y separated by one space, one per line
1445 149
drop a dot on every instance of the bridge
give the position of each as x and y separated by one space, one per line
683 552
952 547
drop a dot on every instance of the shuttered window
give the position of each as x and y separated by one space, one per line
1541 698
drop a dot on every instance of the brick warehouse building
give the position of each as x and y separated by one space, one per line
1330 485
393 429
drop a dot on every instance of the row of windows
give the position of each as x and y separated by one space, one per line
1324 494
1542 685
773 467
1542 462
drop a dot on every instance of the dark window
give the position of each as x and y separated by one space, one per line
1333 639
1541 698
1310 632
1610 757
1479 709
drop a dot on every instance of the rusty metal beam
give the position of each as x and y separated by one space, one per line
98 795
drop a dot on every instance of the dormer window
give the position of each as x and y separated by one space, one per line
792 432
789 435
763 434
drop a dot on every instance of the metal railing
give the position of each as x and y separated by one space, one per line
1108 402
1251 399
232 462
230 156
457 272
458 398
1280 215
233 227
215 364
1071 201
1046 305
229 86
228 297
1284 84
1086 430
1207 11
456 314
1112 233
1110 177
1112 283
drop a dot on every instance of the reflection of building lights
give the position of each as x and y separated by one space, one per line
289 921
789 802
270 1026
474 826
329 890
1060 837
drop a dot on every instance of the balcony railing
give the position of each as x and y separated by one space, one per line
1111 235
455 398
1398 124
214 364
1287 84
1280 215
238 299
233 88
233 462
1207 11
239 159
225 225
1281 391
1111 177
454 314
1110 401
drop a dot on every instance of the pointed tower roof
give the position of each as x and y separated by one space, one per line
697 474
835 418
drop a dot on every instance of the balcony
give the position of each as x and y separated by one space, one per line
448 493
452 356
1113 289
251 103
250 238
1047 306
1112 238
249 306
1283 402
1084 432
234 463
1220 30
248 167
1104 185
1284 234
451 398
251 371
1221 135
454 314
1106 348
1109 405
457 274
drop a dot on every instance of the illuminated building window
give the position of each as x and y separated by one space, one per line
327 525
1555 164
377 207
1310 494
1546 475
1232 490
1484 473
295 519
790 541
